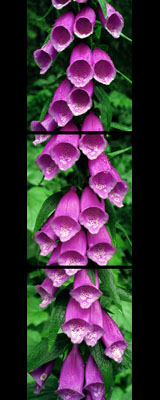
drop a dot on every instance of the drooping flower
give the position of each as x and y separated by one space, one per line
80 70
113 23
84 22
91 123
46 291
71 272
96 329
48 124
92 145
65 222
73 251
62 31
46 238
76 324
93 215
58 108
72 376
40 374
102 180
84 291
71 126
94 380
104 69
113 339
44 57
64 151
54 256
117 194
40 139
57 276
60 3
80 99
100 245
45 162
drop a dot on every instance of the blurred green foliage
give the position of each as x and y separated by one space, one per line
41 88
38 190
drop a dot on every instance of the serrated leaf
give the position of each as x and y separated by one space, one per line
104 107
103 6
57 317
107 278
104 364
48 207
92 275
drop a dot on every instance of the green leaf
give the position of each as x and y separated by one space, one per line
40 354
104 107
48 393
103 6
47 208
107 278
116 153
57 317
112 220
92 275
104 364
35 198
44 110
125 296
97 31
124 76
121 228
121 127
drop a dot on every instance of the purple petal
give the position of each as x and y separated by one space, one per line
84 22
40 139
60 3
91 123
40 374
100 245
65 151
80 70
58 108
62 31
46 238
76 324
113 339
94 381
45 163
102 179
113 23
104 69
73 251
92 216
57 276
71 272
96 321
69 127
79 99
48 124
46 291
54 257
92 145
44 57
119 191
84 291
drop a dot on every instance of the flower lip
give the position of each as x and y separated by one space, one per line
42 59
101 253
102 183
104 72
65 155
65 227
61 38
114 22
80 73
92 145
47 165
93 218
83 27
76 329
72 258
69 394
60 3
116 350
85 295
46 244
60 111
79 102
36 126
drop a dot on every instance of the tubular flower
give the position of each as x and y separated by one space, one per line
113 339
60 3
84 291
113 23
40 139
104 69
73 252
71 126
80 99
54 257
84 22
62 31
57 276
48 124
58 108
93 215
96 330
46 291
71 272
44 57
80 70
119 191
40 375
64 151
46 238
91 123
45 162
100 245
92 145
102 179
72 376
93 378
76 324
81 1
65 222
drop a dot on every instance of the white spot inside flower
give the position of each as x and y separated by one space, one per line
72 261
115 197
49 170
45 247
43 377
64 159
100 187
65 230
116 353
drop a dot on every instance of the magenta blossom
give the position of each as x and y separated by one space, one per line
113 23
93 215
102 179
100 245
92 145
40 139
60 3
117 194
64 151
46 291
80 99
72 376
46 238
40 374
91 123
44 57
96 330
71 126
71 272
113 339
58 108
44 161
94 380
81 1
80 70
104 69
62 31
73 251
48 124
65 222
76 324
57 276
84 22
84 291
54 256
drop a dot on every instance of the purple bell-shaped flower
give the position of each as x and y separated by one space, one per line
96 329
76 324
113 339
94 380
92 145
40 374
64 151
44 161
84 291
100 245
40 139
93 215
46 291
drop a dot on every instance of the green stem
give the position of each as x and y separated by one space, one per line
48 12
125 37
124 76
